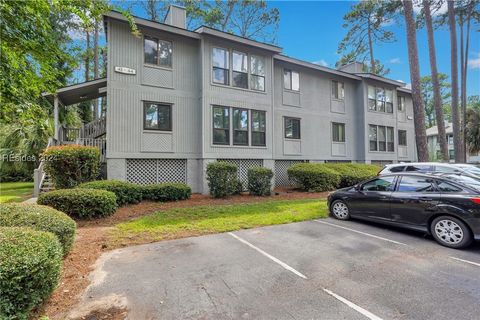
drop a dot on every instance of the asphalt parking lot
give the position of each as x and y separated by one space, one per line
321 269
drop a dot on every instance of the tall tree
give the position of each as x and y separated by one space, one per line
437 99
367 26
473 130
427 94
418 108
457 138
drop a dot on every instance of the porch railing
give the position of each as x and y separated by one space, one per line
101 144
39 173
94 129
68 135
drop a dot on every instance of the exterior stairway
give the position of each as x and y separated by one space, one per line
94 129
47 184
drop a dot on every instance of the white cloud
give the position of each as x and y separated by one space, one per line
395 61
321 62
417 7
388 23
475 62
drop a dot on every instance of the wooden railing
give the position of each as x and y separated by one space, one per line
68 135
101 144
94 129
39 173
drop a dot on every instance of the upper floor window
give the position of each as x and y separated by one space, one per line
257 70
220 64
381 138
401 103
338 132
402 137
291 80
380 99
240 127
258 128
157 116
157 52
292 128
240 70
221 125
338 91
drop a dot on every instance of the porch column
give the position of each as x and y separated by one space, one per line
55 117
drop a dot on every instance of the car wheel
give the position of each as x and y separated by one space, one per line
339 210
451 232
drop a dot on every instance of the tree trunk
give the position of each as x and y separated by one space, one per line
418 108
95 66
465 70
87 58
370 48
457 140
437 98
463 107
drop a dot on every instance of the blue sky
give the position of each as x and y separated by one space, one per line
311 31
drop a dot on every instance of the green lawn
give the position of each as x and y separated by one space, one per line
184 222
15 191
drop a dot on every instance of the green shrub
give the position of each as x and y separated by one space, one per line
353 173
314 176
166 191
260 181
126 192
30 263
81 203
222 179
41 218
70 165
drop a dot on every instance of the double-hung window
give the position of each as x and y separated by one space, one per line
157 116
240 127
402 137
257 70
221 125
381 138
372 102
292 128
380 99
389 101
240 70
338 91
291 80
338 132
401 103
258 128
220 64
157 52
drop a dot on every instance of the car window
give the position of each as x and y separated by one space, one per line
419 168
416 184
447 187
397 169
473 170
380 184
446 169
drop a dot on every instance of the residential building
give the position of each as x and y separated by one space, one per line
179 99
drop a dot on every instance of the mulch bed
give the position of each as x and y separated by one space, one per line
91 242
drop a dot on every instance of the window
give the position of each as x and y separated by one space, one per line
447 187
416 184
450 139
240 70
258 128
220 66
158 52
292 128
380 184
419 168
381 138
291 80
451 154
338 91
402 137
221 125
240 127
397 169
257 70
401 103
445 169
157 116
380 99
338 132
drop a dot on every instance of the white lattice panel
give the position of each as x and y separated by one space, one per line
281 175
145 171
243 165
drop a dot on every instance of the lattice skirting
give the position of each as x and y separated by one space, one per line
145 171
281 175
243 165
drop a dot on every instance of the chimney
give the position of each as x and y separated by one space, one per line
353 67
176 16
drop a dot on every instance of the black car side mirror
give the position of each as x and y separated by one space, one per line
358 187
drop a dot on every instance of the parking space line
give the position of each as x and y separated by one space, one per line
352 305
283 264
466 261
360 232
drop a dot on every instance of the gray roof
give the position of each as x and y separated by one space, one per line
433 131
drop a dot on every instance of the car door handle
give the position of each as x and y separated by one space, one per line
426 199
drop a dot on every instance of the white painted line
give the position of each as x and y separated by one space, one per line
283 264
352 305
466 261
360 232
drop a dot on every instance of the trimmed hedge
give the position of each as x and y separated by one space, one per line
166 191
70 165
314 176
353 173
260 181
222 179
126 192
30 264
40 218
81 203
